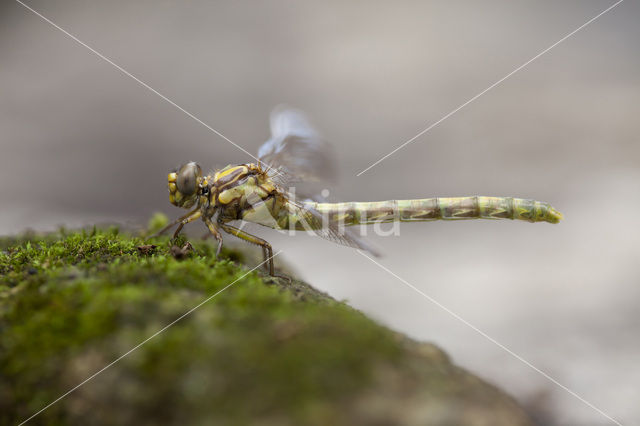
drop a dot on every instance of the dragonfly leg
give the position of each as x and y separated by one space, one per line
172 224
190 218
213 229
267 251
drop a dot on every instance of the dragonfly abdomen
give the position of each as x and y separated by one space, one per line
427 209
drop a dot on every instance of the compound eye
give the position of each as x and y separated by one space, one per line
187 178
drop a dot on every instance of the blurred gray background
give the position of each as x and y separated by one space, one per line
83 143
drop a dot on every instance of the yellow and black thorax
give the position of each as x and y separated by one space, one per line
239 190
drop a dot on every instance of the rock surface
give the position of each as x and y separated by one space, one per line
261 351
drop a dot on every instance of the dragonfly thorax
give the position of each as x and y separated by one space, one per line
239 189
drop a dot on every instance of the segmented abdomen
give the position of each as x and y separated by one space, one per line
427 209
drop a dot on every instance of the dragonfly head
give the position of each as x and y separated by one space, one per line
185 184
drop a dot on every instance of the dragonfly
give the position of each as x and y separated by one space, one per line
262 193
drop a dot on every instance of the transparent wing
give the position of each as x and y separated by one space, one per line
328 231
296 152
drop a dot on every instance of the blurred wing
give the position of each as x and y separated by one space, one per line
298 154
296 150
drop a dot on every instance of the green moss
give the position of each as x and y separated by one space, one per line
263 351
94 294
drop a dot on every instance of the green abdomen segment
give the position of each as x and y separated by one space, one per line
427 209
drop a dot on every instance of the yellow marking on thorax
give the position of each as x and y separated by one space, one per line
245 192
227 171
254 190
228 195
268 186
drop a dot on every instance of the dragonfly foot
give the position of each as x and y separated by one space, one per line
275 278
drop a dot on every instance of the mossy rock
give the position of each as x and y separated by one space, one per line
263 351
